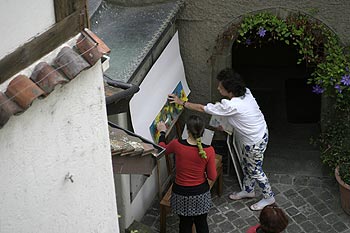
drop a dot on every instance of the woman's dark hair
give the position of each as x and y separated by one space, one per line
273 219
232 82
195 126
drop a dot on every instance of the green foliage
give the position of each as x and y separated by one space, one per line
344 172
319 48
334 143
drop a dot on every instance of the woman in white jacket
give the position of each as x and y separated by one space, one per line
243 113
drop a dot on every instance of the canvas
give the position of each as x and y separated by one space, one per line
169 113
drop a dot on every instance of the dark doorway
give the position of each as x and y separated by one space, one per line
291 110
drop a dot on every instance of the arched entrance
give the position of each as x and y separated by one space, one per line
291 110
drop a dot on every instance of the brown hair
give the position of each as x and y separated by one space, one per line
273 219
195 126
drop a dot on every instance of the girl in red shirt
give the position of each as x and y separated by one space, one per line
194 164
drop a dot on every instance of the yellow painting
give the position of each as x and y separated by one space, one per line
168 113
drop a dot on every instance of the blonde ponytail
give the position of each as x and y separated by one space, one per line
200 148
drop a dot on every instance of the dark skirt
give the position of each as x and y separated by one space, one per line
190 200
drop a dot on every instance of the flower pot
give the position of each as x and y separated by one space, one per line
344 190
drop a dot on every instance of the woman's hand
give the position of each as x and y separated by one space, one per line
161 127
174 99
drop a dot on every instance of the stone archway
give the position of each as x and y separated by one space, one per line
290 135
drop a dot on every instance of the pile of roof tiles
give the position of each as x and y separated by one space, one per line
23 90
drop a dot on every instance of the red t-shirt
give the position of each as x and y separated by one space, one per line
253 229
191 169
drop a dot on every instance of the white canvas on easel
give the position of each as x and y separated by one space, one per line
161 79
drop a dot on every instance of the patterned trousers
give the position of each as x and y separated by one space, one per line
252 162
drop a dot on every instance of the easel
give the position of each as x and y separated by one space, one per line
235 156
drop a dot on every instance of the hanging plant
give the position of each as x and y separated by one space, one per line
318 47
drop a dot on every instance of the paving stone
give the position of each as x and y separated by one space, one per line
226 227
217 218
232 215
310 209
307 209
301 180
308 226
213 228
292 211
286 179
252 220
287 205
306 192
323 226
331 218
297 201
244 213
218 201
299 218
320 206
290 193
324 211
213 211
315 218
326 196
273 178
294 228
315 182
239 223
313 200
340 227
280 199
237 205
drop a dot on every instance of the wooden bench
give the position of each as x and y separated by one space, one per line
165 202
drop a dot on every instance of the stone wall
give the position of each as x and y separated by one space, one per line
202 21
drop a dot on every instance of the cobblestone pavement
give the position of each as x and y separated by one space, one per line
312 204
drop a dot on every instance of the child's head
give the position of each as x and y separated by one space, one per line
195 126
273 219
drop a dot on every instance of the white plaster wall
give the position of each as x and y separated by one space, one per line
136 209
64 133
21 20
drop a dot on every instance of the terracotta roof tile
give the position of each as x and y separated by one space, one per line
23 91
7 109
88 49
47 77
102 47
70 63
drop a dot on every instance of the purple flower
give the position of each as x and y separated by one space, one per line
261 32
317 89
338 88
345 79
248 42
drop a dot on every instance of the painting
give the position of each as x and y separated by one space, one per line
169 113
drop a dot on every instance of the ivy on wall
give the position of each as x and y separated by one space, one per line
319 48
316 45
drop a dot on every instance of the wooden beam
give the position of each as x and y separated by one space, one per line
30 52
64 8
